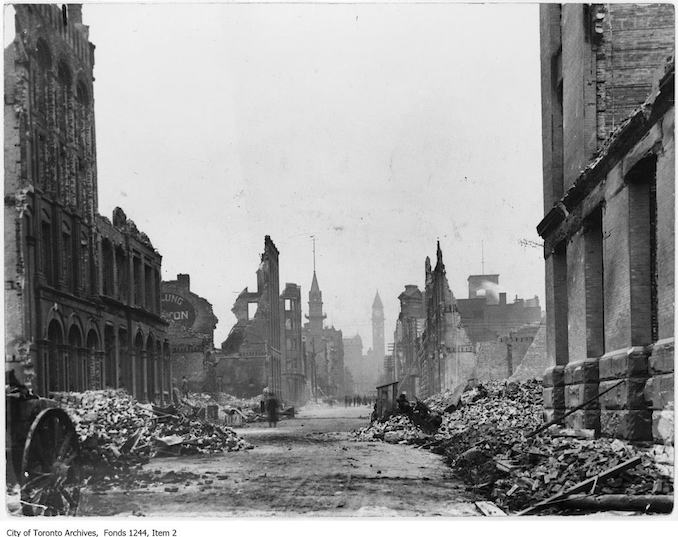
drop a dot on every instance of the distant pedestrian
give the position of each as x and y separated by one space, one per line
184 386
272 407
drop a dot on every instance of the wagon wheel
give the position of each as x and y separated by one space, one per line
50 477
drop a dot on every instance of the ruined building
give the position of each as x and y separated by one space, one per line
191 334
252 356
364 372
446 355
353 362
82 292
501 331
409 328
324 347
378 346
294 362
608 228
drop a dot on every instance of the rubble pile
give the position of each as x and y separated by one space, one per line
441 401
495 414
398 429
249 408
516 476
486 442
116 431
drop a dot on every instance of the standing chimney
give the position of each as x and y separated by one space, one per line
502 299
74 13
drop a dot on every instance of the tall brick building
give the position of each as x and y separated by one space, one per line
82 292
608 229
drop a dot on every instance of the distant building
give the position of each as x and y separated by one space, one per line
446 354
409 328
191 334
378 342
294 363
324 346
252 356
609 214
82 292
364 368
501 332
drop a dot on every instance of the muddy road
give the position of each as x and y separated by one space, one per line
305 466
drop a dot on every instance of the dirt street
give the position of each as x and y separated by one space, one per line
305 466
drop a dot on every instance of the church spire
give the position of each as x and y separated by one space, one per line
315 301
315 288
377 304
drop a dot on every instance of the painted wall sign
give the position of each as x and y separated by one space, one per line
177 309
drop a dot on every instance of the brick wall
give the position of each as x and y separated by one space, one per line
641 38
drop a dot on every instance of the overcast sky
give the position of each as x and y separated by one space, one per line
376 128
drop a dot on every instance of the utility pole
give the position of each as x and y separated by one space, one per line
313 238
482 257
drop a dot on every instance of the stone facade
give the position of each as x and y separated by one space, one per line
191 334
608 146
295 389
82 307
252 356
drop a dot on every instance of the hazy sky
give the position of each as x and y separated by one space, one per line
376 128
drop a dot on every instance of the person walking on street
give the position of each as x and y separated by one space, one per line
272 407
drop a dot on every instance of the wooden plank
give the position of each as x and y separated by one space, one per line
583 486
648 503
490 509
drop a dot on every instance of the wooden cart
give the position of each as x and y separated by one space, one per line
42 454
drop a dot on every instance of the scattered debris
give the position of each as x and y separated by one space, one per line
489 509
487 441
117 432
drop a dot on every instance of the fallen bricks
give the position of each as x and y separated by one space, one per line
487 443
116 432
